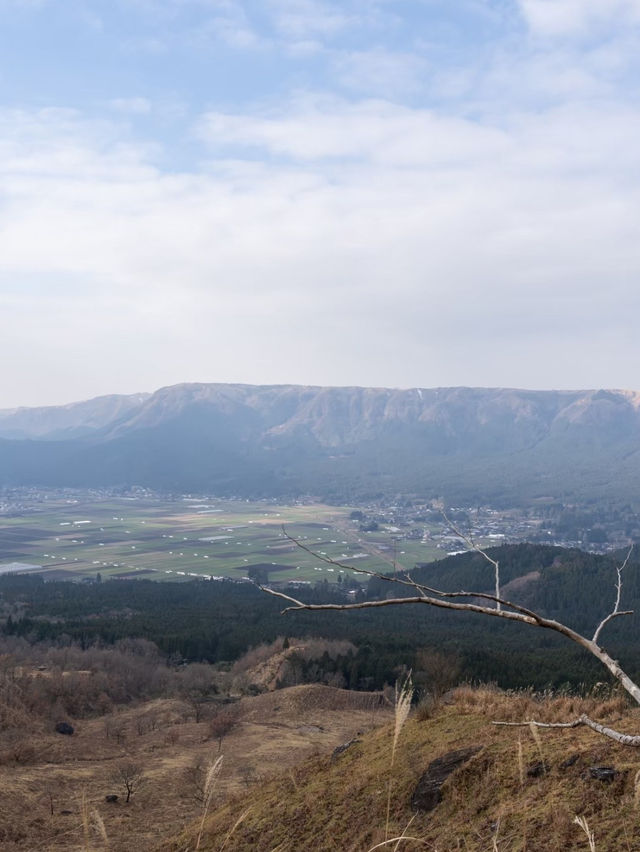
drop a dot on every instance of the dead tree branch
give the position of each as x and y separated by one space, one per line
615 612
467 538
624 739
501 608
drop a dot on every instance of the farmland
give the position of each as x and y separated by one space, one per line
146 536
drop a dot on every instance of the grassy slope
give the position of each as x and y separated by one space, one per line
275 732
341 805
277 764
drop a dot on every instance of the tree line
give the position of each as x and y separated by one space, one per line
217 622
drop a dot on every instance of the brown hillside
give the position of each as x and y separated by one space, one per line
51 772
501 799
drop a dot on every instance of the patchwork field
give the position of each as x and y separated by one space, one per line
188 537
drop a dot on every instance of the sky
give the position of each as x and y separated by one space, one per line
405 193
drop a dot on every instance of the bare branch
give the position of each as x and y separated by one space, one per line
609 618
520 615
467 538
298 604
528 616
502 609
616 607
528 722
618 736
405 580
354 568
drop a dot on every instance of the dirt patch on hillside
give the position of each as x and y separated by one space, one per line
299 701
520 584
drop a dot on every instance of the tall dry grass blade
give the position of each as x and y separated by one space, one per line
495 837
584 825
99 826
535 733
240 819
84 813
212 774
404 696
404 833
209 786
520 762
636 789
399 840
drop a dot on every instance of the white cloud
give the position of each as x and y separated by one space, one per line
463 217
228 22
131 106
378 131
382 71
578 17
389 246
193 23
300 19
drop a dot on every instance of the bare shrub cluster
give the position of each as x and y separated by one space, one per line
42 684
222 723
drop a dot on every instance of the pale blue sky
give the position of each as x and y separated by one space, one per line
381 193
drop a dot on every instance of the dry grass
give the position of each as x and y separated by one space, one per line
275 733
584 825
525 705
489 803
279 788
209 786
404 696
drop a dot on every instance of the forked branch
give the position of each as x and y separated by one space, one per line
615 612
470 542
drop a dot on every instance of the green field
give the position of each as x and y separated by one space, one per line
146 537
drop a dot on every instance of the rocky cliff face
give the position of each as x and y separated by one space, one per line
287 439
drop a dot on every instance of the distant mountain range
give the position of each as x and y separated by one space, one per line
472 444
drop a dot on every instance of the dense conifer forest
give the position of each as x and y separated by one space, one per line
217 622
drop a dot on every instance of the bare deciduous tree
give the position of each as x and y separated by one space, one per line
196 706
494 606
222 724
129 775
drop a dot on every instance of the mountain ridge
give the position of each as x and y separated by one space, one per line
345 442
71 419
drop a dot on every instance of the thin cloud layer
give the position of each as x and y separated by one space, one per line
477 226
579 17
